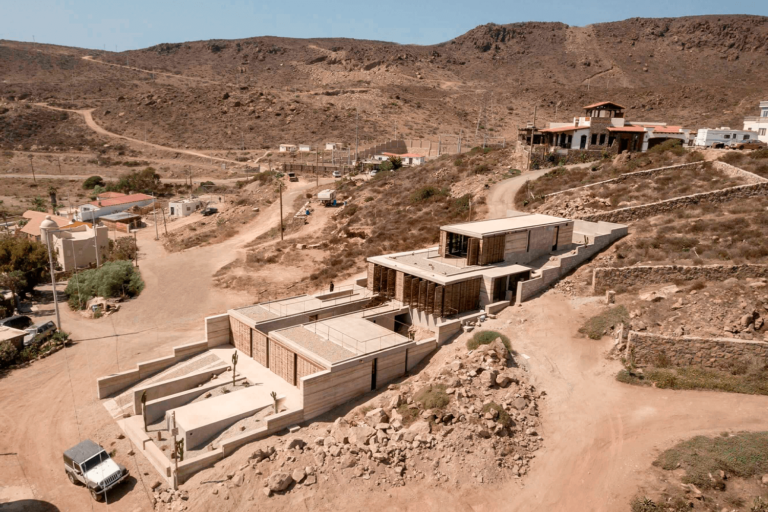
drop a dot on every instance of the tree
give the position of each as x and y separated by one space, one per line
143 181
4 214
38 204
28 257
93 181
396 161
386 165
14 281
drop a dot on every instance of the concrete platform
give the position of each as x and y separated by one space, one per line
200 421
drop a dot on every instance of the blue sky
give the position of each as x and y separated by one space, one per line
141 23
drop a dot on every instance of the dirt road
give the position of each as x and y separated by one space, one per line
91 123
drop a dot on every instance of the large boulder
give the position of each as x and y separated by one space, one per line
420 427
376 416
488 378
361 434
499 349
279 481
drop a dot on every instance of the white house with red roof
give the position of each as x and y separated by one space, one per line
604 127
108 203
406 158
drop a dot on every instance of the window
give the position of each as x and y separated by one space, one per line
762 131
602 139
594 139
746 137
726 136
765 113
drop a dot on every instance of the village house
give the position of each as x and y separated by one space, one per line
759 123
31 230
184 207
288 148
333 146
113 204
603 127
121 221
75 245
406 158
305 148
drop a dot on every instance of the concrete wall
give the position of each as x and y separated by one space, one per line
718 353
610 278
156 409
111 384
419 351
446 330
172 386
217 330
600 236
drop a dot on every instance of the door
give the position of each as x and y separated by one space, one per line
499 289
555 234
374 364
583 143
172 210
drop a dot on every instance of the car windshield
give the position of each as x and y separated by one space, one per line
94 461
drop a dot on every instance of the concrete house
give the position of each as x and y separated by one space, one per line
288 148
317 352
406 158
759 123
92 211
76 245
305 148
331 146
603 127
31 229
184 207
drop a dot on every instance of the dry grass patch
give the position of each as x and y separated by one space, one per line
599 325
745 379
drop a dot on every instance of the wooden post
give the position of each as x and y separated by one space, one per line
33 169
281 211
533 130
165 226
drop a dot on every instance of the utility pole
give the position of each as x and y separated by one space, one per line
154 212
58 159
33 169
357 116
459 145
53 278
136 246
533 129
470 208
281 211
165 226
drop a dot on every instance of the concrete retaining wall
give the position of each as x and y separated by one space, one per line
172 386
496 307
718 353
111 384
447 330
609 278
422 349
599 235
156 409
217 331
636 174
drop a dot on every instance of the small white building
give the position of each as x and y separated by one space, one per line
707 137
76 245
305 148
331 146
759 123
288 148
405 158
92 211
184 207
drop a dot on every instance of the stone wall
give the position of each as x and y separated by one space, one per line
735 172
725 195
611 278
543 160
647 172
645 349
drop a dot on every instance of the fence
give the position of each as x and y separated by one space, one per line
281 308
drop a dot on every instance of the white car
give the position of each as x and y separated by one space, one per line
374 172
89 464
337 174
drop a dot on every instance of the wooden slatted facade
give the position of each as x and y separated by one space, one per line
241 335
473 251
305 367
492 249
260 347
282 362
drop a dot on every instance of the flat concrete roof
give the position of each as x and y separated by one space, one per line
304 303
495 226
425 265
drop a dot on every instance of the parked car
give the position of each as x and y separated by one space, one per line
337 174
210 210
21 322
89 464
39 333
750 144
374 172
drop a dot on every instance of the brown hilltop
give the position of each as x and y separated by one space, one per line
695 71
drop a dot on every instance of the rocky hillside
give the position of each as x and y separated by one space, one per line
696 71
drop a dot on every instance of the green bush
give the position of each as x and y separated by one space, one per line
426 192
8 353
675 146
92 182
432 397
113 279
695 156
386 165
485 338
503 417
643 505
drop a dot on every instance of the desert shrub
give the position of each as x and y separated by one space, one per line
744 455
675 146
432 397
595 327
760 153
503 417
643 505
426 192
113 279
695 156
92 182
481 169
409 414
8 353
759 505
124 248
386 165
486 338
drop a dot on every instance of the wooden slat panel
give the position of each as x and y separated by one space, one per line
259 347
371 271
422 295
430 298
473 251
399 281
391 282
407 289
376 278
383 281
447 300
281 361
415 285
241 335
438 310
443 241
515 243
305 367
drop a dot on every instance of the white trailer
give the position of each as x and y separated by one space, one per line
722 137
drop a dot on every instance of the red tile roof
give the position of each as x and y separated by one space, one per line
667 129
631 129
604 103
36 218
133 198
561 129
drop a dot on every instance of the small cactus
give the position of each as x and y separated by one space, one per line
274 399
234 368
